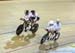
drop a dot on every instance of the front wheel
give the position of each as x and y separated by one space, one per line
19 29
44 38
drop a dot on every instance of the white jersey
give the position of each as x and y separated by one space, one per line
54 27
31 15
26 17
50 28
57 26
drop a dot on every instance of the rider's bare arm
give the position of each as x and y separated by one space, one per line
22 19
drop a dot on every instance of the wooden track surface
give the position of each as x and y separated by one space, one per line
11 12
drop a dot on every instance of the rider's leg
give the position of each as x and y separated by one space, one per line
56 34
32 22
26 25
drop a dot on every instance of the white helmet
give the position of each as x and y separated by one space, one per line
51 22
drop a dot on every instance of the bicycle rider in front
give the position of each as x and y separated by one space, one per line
53 26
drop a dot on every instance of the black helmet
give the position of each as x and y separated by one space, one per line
26 12
33 11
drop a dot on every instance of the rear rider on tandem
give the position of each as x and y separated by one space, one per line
30 22
53 29
33 19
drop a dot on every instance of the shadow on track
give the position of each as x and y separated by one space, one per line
18 41
52 45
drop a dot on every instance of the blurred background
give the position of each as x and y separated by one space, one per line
11 11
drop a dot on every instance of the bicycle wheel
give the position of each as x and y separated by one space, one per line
44 38
34 28
19 29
